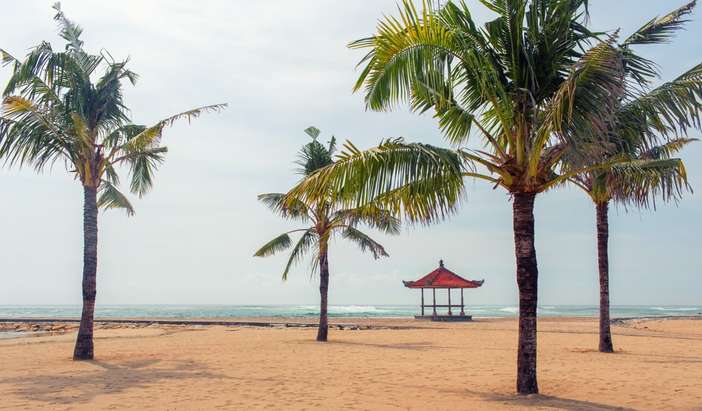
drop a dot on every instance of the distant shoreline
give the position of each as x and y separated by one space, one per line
301 321
302 311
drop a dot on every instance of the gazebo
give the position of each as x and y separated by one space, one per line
446 279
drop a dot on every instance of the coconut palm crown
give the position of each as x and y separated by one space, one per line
67 106
325 219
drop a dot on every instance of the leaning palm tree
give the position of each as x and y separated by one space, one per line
648 129
522 82
67 106
325 219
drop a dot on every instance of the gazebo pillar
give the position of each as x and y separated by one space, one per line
433 290
449 304
422 302
462 312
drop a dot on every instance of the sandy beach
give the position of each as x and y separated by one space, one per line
658 365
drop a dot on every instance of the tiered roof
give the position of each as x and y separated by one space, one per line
443 278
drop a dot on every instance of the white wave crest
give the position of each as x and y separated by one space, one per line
677 308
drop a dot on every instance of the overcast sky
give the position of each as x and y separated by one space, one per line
282 66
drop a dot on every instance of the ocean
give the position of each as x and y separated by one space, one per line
228 311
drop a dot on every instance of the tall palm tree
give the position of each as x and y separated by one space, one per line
67 106
522 82
648 129
325 219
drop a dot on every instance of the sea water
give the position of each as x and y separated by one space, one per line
377 311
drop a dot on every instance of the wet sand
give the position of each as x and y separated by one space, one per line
397 364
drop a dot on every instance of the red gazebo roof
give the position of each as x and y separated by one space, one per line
443 278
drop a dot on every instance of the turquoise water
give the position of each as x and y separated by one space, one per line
224 311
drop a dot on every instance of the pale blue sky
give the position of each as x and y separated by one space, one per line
282 66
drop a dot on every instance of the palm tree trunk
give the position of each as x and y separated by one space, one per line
527 280
603 265
84 342
323 291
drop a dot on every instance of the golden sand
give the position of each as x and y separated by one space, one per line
658 365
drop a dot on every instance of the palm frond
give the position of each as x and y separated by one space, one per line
69 30
308 240
581 115
588 97
455 122
28 84
51 70
640 182
111 175
155 153
283 242
142 167
280 243
670 109
120 135
370 214
666 150
425 200
31 135
107 108
656 31
661 29
151 134
285 206
111 197
364 242
403 48
640 69
358 177
15 107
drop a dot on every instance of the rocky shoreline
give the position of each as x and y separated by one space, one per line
28 329
13 328
38 327
48 327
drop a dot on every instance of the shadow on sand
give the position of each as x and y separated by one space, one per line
664 358
104 378
545 401
415 346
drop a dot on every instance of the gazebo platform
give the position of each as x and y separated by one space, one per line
447 318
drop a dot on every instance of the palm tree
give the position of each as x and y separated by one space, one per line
521 81
648 172
325 219
58 107
648 129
